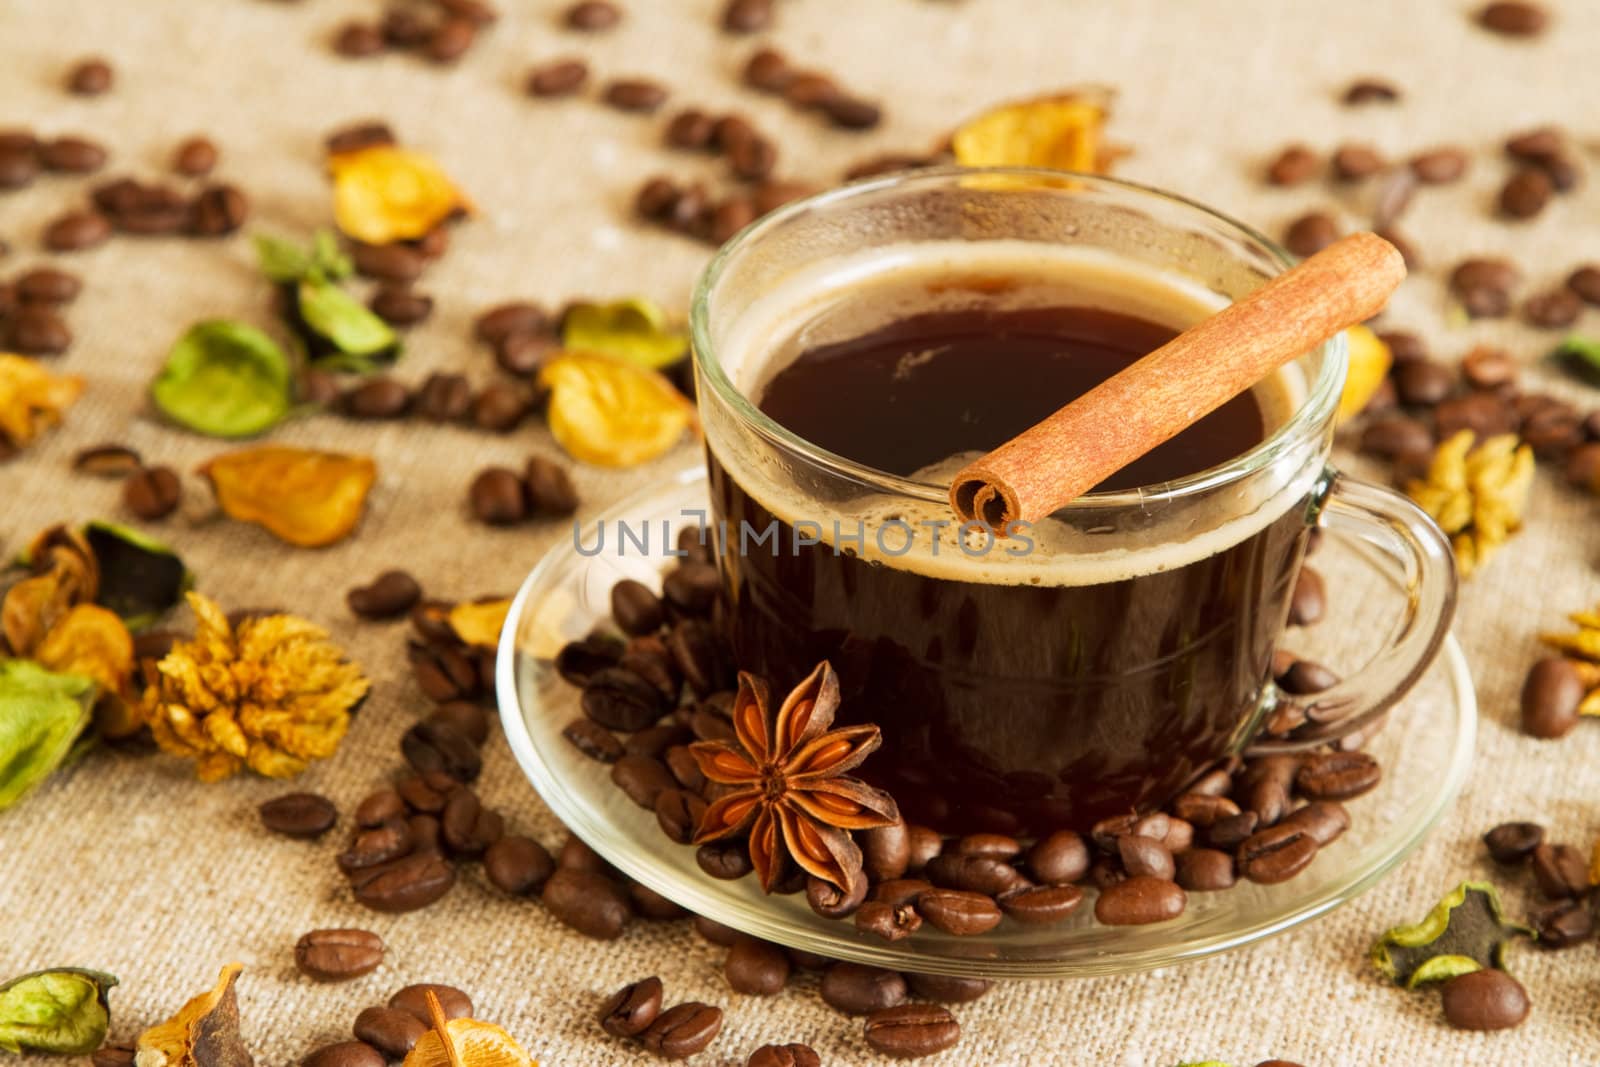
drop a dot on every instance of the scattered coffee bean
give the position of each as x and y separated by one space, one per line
390 594
378 397
195 157
1059 859
1294 165
549 488
560 77
636 608
1585 281
1439 166
851 112
911 1031
413 1000
338 955
449 40
77 231
1324 820
747 16
678 813
1554 309
619 699
389 263
1139 900
1423 382
1205 870
466 827
1513 18
1550 697
503 320
443 398
358 40
1337 775
590 903
1488 368
1563 924
305 815
756 968
947 989
378 808
1525 193
343 1054
1311 233
593 16
1309 600
107 461
593 740
376 846
499 407
71 155
497 497
792 1055
390 1031
642 779
1276 854
959 912
857 989
1038 905
891 922
682 1030
1562 871
1353 162
831 902
464 717
631 1009
90 77
1484 1000
400 305
1512 843
152 493
46 285
1371 91
1142 855
635 95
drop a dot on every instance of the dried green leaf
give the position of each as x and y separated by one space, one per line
41 715
281 260
225 379
343 333
1466 931
141 578
61 1011
635 330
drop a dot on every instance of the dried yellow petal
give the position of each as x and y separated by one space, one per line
384 193
635 331
91 641
204 1032
1477 495
32 399
479 623
610 413
1369 365
477 1044
65 572
1060 131
305 497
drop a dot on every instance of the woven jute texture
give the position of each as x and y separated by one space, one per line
126 863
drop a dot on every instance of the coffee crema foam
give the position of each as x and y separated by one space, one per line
846 297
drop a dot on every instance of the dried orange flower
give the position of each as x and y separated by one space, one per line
64 573
32 399
479 622
305 497
611 413
384 193
1369 365
1061 131
270 695
204 1033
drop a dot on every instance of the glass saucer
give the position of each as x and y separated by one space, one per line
1426 751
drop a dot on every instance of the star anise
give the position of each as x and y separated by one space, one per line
789 782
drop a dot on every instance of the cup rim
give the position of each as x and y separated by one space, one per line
1308 420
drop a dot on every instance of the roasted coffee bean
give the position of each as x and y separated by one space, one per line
406 884
590 903
638 95
1145 856
579 661
389 263
1585 281
420 792
317 388
1525 193
1139 900
503 320
19 165
851 112
305 815
152 493
46 285
885 851
1551 695
1230 831
379 397
1563 924
628 1011
217 211
678 813
1389 436
1039 905
559 77
1353 162
390 594
1060 859
642 779
756 968
857 989
342 1054
413 1000
1294 165
900 890
1512 843
1202 809
681 762
635 607
1554 309
691 129
1276 854
1308 603
831 902
1561 871
383 843
1311 233
549 488
912 1031
648 904
1488 999
1205 870
391 1032
466 826
1370 91
1512 18
1532 146
338 955
437 746
692 587
497 497
731 216
792 1055
975 874
450 40
696 651
443 398
682 1030
465 717
994 846
518 865
1484 272
499 407
71 155
1583 471
891 922
1423 383
1486 414
1337 775
523 354
1438 166
1324 820
1486 367
77 231
90 77
767 70
358 40
657 199
959 912
477 12
592 16
808 89
714 932
107 461
443 673
620 700
406 26
379 807
578 856
723 860
653 741
747 16
400 305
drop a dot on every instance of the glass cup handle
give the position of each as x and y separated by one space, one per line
1390 523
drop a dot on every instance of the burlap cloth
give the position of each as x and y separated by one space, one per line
126 863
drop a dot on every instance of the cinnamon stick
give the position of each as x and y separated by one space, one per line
1054 462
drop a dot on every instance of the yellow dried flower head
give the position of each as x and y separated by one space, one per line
383 194
1476 495
270 695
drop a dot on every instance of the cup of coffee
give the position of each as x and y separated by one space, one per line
854 350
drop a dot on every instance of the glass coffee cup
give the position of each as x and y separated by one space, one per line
1098 661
